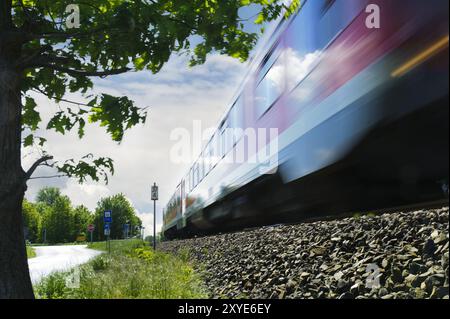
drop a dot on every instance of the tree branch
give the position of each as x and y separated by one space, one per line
50 176
38 90
36 165
74 72
32 57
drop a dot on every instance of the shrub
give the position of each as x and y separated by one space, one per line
100 263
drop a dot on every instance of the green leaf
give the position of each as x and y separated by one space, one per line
28 141
117 114
88 167
30 117
260 18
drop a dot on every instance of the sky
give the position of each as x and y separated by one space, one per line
176 97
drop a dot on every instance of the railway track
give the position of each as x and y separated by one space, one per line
393 209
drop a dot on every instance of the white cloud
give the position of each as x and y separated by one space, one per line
87 194
147 222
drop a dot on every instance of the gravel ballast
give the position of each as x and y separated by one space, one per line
389 256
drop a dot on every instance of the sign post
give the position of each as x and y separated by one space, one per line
91 228
154 198
125 230
107 220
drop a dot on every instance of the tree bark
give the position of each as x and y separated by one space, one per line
14 274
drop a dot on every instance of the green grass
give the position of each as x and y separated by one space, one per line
118 246
132 270
30 252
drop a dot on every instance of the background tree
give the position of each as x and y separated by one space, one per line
41 53
82 217
59 222
122 213
53 212
32 221
44 212
48 195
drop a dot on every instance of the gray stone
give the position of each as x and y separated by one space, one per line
396 274
382 292
415 268
429 248
439 292
347 295
301 261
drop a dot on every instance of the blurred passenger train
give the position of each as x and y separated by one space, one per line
361 117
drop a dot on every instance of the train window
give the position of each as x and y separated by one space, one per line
222 139
229 138
197 174
194 175
302 50
200 173
195 178
206 159
209 156
237 116
205 162
214 150
272 83
188 181
201 163
312 30
231 127
187 184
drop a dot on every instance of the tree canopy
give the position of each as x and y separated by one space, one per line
54 213
48 195
32 221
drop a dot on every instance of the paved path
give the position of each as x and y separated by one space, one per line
58 258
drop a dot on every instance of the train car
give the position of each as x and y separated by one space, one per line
340 112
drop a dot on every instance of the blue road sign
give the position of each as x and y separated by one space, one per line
107 229
107 216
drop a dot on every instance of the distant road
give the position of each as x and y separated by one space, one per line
58 258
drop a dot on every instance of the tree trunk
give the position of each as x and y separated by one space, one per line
14 274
